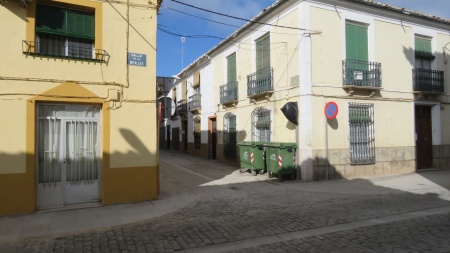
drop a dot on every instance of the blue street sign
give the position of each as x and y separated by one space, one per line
137 59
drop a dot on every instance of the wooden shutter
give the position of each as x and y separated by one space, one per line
80 24
263 53
423 48
197 125
231 68
184 90
52 20
356 42
196 79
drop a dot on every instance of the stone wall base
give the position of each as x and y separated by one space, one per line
389 161
441 157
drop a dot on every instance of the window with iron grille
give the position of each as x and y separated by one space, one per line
362 133
64 32
197 132
229 135
261 124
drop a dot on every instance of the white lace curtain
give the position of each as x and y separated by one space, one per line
78 139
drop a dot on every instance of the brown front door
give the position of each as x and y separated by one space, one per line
168 137
424 145
176 138
184 136
213 136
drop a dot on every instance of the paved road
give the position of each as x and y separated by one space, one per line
233 212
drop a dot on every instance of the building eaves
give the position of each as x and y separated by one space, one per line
400 10
274 6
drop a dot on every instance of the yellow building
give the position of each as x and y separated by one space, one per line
384 68
77 92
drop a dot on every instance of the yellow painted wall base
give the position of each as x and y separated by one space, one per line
18 193
124 185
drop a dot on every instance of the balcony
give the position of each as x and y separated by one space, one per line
361 74
195 102
62 51
260 82
229 92
428 81
181 107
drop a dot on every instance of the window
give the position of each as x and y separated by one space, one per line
184 90
196 80
356 42
166 107
197 90
261 124
424 54
362 133
231 68
229 135
197 132
263 53
64 33
229 91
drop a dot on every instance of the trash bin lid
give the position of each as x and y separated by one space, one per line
245 143
280 144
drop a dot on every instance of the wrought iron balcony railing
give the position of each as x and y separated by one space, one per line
260 82
60 50
361 73
195 102
427 80
229 92
181 107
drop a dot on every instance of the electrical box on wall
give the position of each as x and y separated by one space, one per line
114 95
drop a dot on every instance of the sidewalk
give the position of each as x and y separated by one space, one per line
176 168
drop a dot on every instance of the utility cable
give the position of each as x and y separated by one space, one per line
234 17
218 22
204 36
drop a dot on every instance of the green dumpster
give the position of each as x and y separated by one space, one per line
252 157
280 159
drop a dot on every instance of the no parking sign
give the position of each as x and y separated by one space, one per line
331 110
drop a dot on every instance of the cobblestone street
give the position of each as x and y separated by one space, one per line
235 212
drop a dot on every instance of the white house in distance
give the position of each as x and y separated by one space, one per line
385 68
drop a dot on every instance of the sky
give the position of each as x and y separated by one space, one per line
178 20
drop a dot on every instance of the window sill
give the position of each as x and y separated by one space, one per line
101 59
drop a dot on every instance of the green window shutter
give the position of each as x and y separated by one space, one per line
356 37
423 48
231 67
80 24
263 53
52 20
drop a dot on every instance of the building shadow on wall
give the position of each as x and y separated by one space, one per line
16 8
138 151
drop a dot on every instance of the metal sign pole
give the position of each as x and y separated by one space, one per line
297 153
326 149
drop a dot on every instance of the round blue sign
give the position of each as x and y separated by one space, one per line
331 110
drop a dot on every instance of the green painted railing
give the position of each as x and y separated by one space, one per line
427 80
361 73
60 50
260 82
229 92
195 102
181 107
